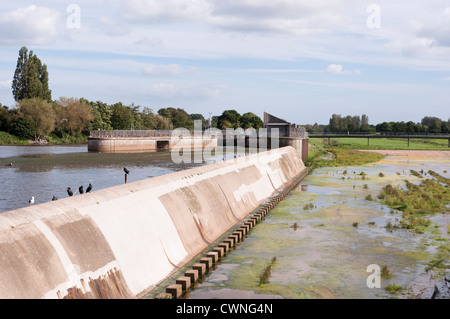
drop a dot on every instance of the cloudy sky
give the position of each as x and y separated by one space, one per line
299 60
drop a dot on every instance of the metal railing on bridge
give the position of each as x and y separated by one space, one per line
168 133
129 133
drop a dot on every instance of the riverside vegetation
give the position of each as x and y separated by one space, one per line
415 203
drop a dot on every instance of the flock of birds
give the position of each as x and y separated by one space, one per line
80 190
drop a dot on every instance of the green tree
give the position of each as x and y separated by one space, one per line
102 115
251 120
229 119
197 117
178 117
446 126
72 115
410 127
4 114
161 122
30 78
365 127
122 117
40 114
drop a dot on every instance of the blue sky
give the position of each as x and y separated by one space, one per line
299 60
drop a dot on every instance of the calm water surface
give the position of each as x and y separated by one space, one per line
47 171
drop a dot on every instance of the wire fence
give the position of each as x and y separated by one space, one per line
418 134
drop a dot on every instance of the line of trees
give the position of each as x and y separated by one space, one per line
36 118
428 124
344 124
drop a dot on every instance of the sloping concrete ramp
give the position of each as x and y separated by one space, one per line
122 241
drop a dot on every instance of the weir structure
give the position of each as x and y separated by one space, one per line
276 133
123 241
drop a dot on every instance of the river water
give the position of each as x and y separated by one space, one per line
318 252
47 171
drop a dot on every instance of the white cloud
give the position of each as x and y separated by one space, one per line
167 70
335 69
151 11
29 25
438 31
427 36
339 69
286 16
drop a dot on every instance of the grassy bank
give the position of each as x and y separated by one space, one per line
53 139
323 155
384 144
8 139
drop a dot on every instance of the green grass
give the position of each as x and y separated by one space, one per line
384 144
386 273
8 139
340 157
441 260
416 202
393 289
57 139
53 139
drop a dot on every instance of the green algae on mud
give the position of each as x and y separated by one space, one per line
325 256
418 201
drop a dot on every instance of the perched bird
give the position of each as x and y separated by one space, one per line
80 189
126 171
31 201
89 188
69 191
54 198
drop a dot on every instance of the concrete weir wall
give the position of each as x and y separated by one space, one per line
140 144
122 241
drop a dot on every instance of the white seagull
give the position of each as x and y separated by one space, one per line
31 201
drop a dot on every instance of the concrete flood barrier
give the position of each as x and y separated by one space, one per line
123 241
179 287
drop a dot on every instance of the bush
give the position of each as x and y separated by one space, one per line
22 127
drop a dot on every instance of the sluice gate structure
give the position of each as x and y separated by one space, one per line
123 241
